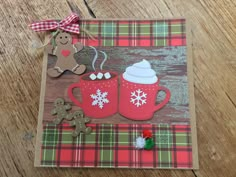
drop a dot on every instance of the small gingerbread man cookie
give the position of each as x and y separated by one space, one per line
79 123
65 51
61 111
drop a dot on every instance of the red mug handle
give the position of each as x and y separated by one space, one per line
165 101
72 97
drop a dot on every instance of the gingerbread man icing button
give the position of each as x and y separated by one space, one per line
65 50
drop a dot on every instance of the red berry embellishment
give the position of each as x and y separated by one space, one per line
147 134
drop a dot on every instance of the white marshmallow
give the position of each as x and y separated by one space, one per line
92 76
99 75
107 75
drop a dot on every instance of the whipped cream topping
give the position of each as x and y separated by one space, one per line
140 73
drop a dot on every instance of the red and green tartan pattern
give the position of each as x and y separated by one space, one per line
112 146
156 33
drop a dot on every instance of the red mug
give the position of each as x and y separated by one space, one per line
99 97
137 101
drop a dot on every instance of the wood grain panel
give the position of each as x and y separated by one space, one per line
170 64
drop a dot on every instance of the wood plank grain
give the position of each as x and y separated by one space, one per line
169 63
159 117
214 41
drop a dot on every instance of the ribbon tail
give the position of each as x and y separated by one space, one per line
70 29
47 41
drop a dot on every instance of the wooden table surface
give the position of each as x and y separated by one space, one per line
213 24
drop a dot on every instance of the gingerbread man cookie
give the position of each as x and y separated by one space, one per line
65 51
79 123
61 111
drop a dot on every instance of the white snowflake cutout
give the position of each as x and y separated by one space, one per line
99 99
138 97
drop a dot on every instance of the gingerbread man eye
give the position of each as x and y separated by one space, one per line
66 37
60 37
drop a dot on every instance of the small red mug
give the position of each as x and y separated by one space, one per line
137 101
99 97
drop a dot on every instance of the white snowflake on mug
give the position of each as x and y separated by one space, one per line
99 98
138 97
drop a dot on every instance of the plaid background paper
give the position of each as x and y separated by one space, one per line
112 146
157 33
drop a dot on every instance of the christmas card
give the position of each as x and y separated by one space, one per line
116 93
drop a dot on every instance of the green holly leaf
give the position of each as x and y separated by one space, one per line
149 144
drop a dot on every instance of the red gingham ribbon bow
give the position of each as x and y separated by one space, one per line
69 24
